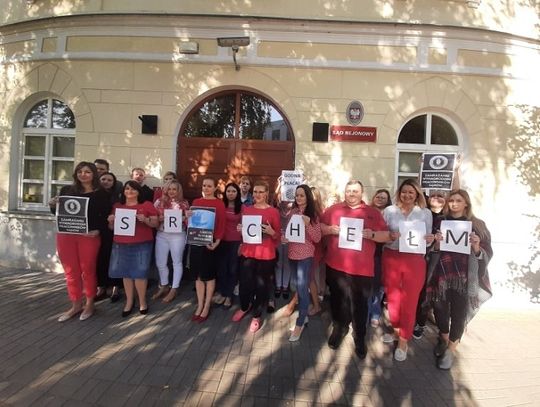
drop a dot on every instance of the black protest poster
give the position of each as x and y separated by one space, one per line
437 171
72 214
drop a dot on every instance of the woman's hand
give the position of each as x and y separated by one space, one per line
268 229
53 201
429 238
307 220
239 227
141 217
189 213
475 242
212 246
93 233
110 218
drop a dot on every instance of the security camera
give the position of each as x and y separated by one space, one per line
233 41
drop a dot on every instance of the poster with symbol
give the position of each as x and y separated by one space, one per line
72 214
437 171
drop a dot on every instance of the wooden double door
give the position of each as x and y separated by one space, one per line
228 159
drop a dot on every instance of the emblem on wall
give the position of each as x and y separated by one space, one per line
354 112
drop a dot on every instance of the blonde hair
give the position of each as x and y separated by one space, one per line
478 225
420 199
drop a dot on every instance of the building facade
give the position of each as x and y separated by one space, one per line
77 81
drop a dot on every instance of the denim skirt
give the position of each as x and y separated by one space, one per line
130 260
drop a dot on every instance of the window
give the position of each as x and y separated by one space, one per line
422 134
237 115
47 153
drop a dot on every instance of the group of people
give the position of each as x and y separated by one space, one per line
452 284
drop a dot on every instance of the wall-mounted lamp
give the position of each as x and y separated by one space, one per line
234 43
149 124
188 47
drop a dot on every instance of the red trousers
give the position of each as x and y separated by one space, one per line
78 255
403 278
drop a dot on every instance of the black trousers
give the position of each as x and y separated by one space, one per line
349 297
451 313
255 279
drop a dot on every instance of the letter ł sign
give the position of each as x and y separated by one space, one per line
124 222
296 230
456 235
412 237
172 220
350 233
252 229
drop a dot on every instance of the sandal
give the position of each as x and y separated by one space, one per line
170 296
160 292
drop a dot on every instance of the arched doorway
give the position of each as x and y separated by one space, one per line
230 134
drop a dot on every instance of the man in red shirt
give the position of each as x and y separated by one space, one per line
349 271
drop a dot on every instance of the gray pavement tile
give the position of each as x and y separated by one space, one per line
158 375
164 359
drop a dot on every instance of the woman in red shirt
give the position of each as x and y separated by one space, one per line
257 260
301 254
131 255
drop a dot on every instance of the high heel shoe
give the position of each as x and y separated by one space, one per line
195 317
125 313
297 331
202 319
143 311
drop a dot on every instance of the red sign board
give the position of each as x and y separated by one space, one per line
353 133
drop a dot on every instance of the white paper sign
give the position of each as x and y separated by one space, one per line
252 229
289 181
350 233
412 237
172 220
296 230
124 222
456 235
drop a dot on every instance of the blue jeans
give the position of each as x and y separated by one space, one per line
374 302
302 268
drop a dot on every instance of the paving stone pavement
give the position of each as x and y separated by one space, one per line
165 359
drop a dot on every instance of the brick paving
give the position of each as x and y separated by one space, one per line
165 359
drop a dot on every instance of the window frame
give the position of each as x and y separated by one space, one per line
49 134
427 147
237 94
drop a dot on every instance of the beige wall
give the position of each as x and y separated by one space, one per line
497 115
515 17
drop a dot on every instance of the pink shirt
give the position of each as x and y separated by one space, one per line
300 251
143 232
231 222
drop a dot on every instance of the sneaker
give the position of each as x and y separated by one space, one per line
255 325
446 361
400 355
418 331
389 338
239 314
440 348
